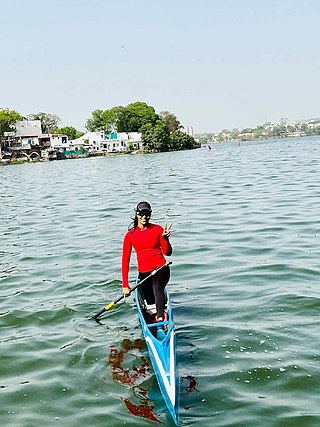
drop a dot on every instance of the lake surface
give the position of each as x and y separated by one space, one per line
244 286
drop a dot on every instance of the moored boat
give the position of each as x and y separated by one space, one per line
162 351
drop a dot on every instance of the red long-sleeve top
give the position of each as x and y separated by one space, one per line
150 247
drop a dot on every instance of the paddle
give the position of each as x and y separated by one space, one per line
131 290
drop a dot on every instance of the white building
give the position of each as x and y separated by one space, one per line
122 141
104 142
91 141
58 141
188 130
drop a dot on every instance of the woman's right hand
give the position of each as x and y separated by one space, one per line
166 231
126 292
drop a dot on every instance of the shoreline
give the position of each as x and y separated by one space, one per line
18 161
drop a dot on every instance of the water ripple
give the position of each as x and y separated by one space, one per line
245 285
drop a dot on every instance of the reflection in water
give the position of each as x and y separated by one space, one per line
128 367
144 411
192 383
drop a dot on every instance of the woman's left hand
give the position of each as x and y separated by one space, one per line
166 230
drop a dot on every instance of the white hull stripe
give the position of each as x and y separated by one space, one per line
170 387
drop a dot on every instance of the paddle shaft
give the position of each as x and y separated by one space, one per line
107 307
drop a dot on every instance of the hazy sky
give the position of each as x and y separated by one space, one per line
215 64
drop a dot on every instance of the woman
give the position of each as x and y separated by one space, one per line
151 243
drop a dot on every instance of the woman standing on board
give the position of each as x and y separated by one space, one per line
151 243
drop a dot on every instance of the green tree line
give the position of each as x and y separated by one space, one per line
160 132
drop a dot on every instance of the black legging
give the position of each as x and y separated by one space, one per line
153 288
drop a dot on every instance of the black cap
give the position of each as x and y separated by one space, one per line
143 206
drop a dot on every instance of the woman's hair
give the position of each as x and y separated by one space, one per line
134 223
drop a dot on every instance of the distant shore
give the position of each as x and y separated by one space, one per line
283 129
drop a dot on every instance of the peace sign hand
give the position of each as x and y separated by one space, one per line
166 230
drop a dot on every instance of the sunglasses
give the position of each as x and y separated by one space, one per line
144 213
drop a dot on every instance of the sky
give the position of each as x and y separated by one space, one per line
215 64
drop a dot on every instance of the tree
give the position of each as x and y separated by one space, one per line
221 136
49 122
303 127
204 139
234 134
291 128
170 120
279 130
104 120
96 122
8 119
182 141
70 131
155 137
133 117
247 130
258 133
114 117
159 132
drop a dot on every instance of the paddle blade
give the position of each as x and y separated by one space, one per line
98 314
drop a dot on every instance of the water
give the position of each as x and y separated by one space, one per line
244 287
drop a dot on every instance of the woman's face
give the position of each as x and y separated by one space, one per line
143 218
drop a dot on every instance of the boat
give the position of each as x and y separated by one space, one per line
162 351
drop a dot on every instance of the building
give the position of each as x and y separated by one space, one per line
122 141
91 141
188 130
30 142
96 142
